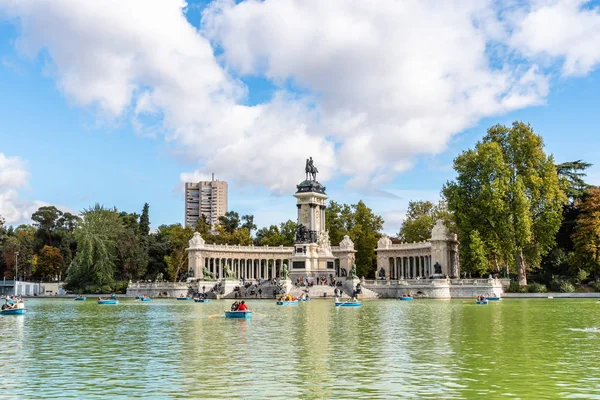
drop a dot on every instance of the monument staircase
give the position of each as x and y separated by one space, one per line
315 291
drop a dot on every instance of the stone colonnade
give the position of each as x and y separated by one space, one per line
247 267
410 267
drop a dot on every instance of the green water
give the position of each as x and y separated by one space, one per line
530 349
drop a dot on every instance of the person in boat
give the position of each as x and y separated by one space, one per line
6 305
235 306
354 300
336 299
99 298
242 307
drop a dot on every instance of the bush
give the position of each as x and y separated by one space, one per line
536 288
514 287
567 287
105 289
92 289
555 285
121 287
596 286
581 277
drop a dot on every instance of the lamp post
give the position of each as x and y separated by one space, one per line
16 270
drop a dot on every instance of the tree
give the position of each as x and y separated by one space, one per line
421 216
587 234
178 240
96 237
248 223
46 220
230 221
49 262
571 178
9 249
479 260
25 234
132 256
268 236
145 221
362 225
287 231
508 190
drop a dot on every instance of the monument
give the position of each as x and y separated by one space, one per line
312 257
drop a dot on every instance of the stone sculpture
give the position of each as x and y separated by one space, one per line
284 272
352 273
228 272
311 170
437 268
207 274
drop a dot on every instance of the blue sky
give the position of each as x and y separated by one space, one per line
69 143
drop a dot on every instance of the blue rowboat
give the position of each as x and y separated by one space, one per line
184 298
108 301
406 298
482 302
494 298
306 299
202 300
238 314
287 303
146 299
139 297
348 304
14 311
80 298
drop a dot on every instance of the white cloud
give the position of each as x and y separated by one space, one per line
565 29
14 176
382 82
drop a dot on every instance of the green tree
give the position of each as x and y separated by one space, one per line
587 234
269 236
230 221
96 237
46 220
508 190
248 223
178 239
49 262
25 234
477 253
10 247
287 230
360 223
145 221
132 256
420 219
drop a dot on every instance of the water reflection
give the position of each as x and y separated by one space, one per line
422 349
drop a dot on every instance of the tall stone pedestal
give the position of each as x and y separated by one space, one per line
350 285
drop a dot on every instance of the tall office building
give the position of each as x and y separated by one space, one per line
207 198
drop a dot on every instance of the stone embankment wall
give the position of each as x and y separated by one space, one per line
436 288
555 295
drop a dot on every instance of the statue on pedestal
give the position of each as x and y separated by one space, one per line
352 273
228 272
437 268
207 274
310 169
284 273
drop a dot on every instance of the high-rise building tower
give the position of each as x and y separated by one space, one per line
207 198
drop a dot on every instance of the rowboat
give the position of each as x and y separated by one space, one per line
108 301
482 302
139 297
494 298
80 298
14 311
406 298
238 314
146 299
202 300
184 298
306 299
348 304
288 303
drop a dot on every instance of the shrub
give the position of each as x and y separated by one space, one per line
581 277
596 286
514 287
567 287
555 285
536 288
121 286
105 289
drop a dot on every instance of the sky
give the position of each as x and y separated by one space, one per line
119 102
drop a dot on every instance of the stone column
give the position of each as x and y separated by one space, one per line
312 217
394 270
414 267
221 271
299 212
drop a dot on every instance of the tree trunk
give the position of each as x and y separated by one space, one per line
520 265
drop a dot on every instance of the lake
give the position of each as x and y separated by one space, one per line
516 348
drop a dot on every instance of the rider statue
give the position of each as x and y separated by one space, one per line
311 170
